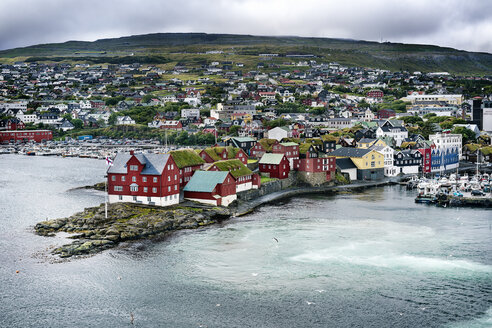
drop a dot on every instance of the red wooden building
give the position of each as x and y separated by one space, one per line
263 146
289 149
214 154
386 113
171 125
310 162
245 178
216 188
426 159
144 178
274 166
375 93
188 161
25 136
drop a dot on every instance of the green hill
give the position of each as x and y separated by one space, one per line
162 48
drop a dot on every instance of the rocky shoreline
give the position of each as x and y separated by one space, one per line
93 232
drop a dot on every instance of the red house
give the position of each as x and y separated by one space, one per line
25 136
263 146
386 113
289 149
375 93
274 166
243 176
13 124
144 178
188 161
310 162
214 154
171 125
216 188
426 159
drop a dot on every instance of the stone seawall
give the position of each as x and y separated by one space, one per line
268 188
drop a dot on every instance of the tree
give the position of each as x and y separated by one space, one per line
77 123
234 130
147 98
468 135
412 120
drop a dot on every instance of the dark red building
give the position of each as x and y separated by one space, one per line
426 159
144 178
289 149
385 114
188 161
214 154
274 166
25 136
310 162
375 93
263 146
216 188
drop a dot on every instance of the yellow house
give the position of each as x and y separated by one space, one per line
365 143
369 163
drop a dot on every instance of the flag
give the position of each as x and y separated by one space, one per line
109 161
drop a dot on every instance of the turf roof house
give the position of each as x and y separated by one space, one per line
216 188
313 166
245 143
263 146
188 162
244 177
144 178
274 166
214 154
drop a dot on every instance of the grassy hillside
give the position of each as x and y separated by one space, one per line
169 48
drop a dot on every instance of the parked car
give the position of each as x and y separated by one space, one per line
477 193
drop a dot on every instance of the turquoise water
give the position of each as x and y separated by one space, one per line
369 259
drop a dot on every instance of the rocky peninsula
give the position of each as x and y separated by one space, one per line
93 232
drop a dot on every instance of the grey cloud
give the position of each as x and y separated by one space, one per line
453 23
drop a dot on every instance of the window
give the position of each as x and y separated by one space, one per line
122 178
144 179
134 198
133 188
169 188
154 190
145 189
118 188
120 197
176 187
155 179
175 177
113 178
133 167
168 178
134 179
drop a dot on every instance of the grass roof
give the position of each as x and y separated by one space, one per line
472 147
267 144
214 152
408 144
485 150
329 137
234 166
186 157
304 147
314 141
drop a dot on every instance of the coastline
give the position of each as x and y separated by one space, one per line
93 232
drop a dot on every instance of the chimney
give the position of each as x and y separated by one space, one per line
132 152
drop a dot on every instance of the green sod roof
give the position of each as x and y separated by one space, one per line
267 144
186 157
234 166
214 152
303 148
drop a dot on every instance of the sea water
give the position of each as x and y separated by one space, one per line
362 259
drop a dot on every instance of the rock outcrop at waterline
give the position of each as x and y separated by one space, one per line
94 233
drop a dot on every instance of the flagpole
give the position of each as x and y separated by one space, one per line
106 196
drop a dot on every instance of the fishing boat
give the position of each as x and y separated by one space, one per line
428 192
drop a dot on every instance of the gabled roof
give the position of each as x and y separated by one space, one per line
367 140
271 159
186 157
345 163
235 166
267 143
205 181
154 163
350 152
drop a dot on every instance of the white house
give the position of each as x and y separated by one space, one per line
279 133
124 120
388 153
190 113
445 141
389 129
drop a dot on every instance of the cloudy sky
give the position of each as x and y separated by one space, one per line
461 24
